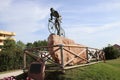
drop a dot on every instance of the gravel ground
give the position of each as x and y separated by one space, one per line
9 74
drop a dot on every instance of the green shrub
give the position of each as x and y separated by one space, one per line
111 52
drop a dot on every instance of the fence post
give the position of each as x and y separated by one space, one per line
87 54
24 60
97 55
62 57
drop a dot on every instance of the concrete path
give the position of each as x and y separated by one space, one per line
12 73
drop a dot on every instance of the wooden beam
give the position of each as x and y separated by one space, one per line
62 57
74 54
24 60
56 50
69 67
91 55
87 54
74 57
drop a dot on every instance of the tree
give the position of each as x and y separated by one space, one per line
20 45
111 52
40 43
11 56
29 45
7 54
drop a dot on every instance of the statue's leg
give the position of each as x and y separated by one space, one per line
57 25
58 28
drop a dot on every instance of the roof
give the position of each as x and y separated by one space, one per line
116 46
7 33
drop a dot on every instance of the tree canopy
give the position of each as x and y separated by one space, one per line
111 52
11 56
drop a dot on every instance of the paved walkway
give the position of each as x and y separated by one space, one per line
14 73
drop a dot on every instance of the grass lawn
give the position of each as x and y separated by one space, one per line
100 71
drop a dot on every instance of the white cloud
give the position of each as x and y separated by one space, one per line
105 6
98 36
90 29
20 11
24 18
5 4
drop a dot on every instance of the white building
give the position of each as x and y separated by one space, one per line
4 35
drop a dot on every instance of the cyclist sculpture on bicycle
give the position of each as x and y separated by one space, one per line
56 15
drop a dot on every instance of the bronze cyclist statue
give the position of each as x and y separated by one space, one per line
54 23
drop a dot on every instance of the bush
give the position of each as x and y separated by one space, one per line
111 52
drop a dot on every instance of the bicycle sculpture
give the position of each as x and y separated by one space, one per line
55 28
54 24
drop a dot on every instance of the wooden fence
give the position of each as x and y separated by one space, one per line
42 53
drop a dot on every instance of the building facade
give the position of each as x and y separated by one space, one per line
4 35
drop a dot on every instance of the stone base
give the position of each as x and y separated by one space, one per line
58 40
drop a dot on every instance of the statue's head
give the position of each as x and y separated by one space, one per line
51 9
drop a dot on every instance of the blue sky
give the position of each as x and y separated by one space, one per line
94 23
